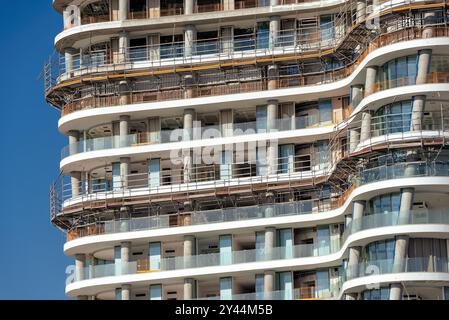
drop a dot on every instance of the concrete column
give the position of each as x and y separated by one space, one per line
74 137
189 246
355 252
189 86
424 57
71 16
81 298
273 77
365 133
275 27
419 103
356 95
354 139
361 11
188 7
274 2
123 9
123 44
124 93
269 282
272 115
357 213
370 83
189 289
429 20
125 256
75 181
124 171
270 241
227 122
68 57
189 118
124 131
272 148
189 40
80 266
126 292
154 130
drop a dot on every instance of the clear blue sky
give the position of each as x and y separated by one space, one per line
32 263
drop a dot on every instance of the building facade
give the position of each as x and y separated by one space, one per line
253 149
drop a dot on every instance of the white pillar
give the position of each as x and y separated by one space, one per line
189 289
354 139
269 282
356 95
80 266
125 256
75 181
188 7
365 132
126 292
189 40
370 83
124 171
123 9
273 77
429 20
124 131
123 45
361 11
424 57
275 27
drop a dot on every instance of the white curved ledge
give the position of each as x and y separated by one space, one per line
96 243
358 238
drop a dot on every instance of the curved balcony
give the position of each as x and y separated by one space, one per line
328 74
197 133
314 206
316 255
378 272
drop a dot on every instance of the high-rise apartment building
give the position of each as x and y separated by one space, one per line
253 149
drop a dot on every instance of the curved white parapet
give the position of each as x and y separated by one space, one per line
357 239
96 243
91 117
377 280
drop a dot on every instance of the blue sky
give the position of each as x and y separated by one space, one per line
32 263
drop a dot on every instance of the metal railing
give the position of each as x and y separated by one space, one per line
158 264
198 133
381 173
159 91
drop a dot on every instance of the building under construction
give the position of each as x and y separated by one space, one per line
253 149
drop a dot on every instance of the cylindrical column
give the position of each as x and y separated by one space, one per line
188 7
361 11
75 181
272 148
424 57
189 86
419 103
124 93
189 251
357 213
275 26
365 132
123 44
270 241
272 115
81 298
125 256
268 283
68 57
273 77
356 95
370 83
189 40
123 8
429 21
124 131
124 171
189 118
354 139
189 289
126 292
227 122
74 137
80 266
